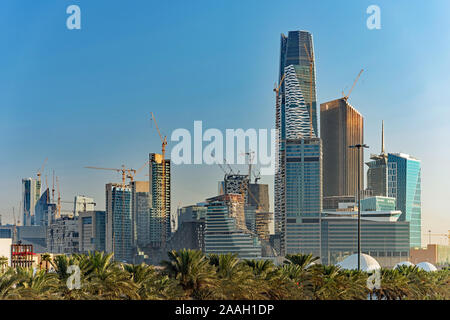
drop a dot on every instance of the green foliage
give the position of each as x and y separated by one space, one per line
189 274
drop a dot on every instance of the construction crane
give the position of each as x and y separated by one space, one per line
438 235
163 182
39 173
58 205
133 173
126 173
53 188
345 96
311 67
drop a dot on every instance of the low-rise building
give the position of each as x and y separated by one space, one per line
436 254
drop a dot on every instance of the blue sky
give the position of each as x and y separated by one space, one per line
83 97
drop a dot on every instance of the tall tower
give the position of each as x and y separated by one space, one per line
119 239
296 115
377 174
341 126
160 200
405 185
31 191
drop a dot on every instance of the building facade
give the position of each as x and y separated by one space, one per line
303 195
31 191
141 213
296 115
404 184
341 126
225 228
119 233
63 236
82 204
382 236
160 200
92 231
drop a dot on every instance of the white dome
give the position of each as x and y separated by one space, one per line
426 266
404 263
367 263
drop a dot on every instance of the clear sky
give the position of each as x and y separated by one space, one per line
83 97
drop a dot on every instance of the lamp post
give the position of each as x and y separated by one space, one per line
359 147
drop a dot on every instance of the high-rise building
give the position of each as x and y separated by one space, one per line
92 231
119 236
31 191
45 212
404 184
377 174
225 228
160 200
303 195
296 115
141 213
341 126
82 204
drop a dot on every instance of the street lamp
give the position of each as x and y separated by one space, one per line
359 147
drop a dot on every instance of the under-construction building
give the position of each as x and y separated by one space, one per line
160 200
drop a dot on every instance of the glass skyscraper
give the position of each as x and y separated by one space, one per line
404 184
296 119
119 231
303 195
31 191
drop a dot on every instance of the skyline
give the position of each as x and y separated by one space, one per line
96 136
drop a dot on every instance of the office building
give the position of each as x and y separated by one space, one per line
119 237
296 115
34 235
160 200
92 231
382 236
378 204
225 228
82 204
303 195
141 212
31 191
45 212
63 236
404 184
377 173
341 126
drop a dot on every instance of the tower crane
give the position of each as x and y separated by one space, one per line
39 173
345 96
126 173
163 182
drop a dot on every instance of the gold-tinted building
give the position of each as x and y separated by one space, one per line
341 126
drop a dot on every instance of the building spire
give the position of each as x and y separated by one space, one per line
382 137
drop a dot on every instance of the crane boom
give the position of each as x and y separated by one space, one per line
353 86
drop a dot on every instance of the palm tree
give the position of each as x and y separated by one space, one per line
45 257
3 263
36 284
193 271
302 260
8 282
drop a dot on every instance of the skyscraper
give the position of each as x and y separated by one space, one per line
160 200
404 184
119 238
296 118
303 195
31 191
377 174
341 126
141 213
92 231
